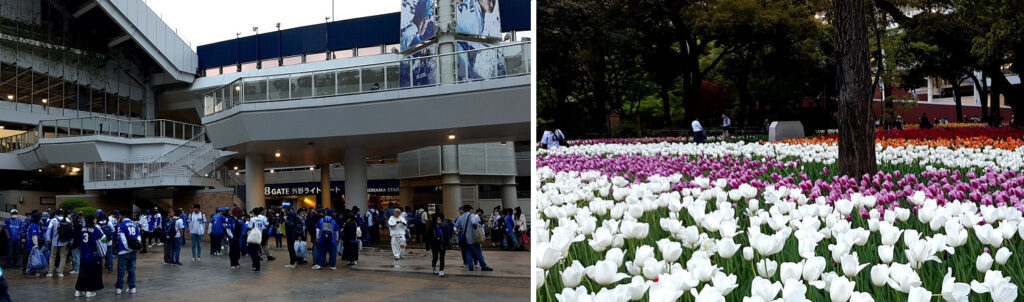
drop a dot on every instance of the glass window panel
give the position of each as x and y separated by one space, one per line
271 63
373 78
302 85
348 81
392 76
229 69
213 71
324 83
341 54
248 66
278 88
254 90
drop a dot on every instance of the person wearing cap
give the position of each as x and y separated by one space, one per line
103 224
217 223
59 251
326 236
13 227
397 225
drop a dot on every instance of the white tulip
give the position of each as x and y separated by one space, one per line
664 292
572 275
903 278
885 253
748 253
841 289
861 297
984 262
1001 289
794 291
1003 255
725 283
578 294
790 271
879 274
635 289
642 254
539 276
988 235
764 290
813 268
708 294
726 248
890 234
545 255
851 265
652 268
953 291
601 240
604 272
701 268
919 294
614 255
766 268
670 250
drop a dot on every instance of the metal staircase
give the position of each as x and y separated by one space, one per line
187 164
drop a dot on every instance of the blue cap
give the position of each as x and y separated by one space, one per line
147 211
100 213
329 212
116 212
287 206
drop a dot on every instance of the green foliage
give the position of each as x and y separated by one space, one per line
73 203
85 210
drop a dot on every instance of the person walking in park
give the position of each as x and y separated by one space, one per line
129 242
436 238
350 235
59 233
552 137
698 131
217 228
726 126
93 247
326 234
197 227
397 225
14 229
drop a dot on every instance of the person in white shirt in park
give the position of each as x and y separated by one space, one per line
698 131
552 137
397 225
726 126
129 242
197 227
59 232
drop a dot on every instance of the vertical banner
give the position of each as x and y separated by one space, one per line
478 62
478 18
420 72
417 22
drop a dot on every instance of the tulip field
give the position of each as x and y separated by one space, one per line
669 220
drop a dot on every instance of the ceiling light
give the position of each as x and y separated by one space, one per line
237 88
271 170
236 168
10 96
277 154
40 170
62 166
236 173
1 127
44 101
503 143
451 136
311 168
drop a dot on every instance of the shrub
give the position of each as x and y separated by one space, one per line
74 203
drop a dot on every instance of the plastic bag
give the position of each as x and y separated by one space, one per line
37 260
300 248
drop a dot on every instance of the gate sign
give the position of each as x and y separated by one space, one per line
377 187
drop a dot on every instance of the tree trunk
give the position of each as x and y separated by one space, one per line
982 94
1011 93
956 100
856 134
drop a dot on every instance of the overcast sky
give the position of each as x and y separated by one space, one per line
207 21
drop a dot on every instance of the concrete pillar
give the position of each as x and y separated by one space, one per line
355 178
508 192
451 185
325 185
254 182
446 41
404 193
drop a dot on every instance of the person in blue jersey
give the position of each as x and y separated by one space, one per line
147 230
103 224
234 232
177 226
350 234
436 239
128 234
510 231
93 243
157 224
34 239
256 224
13 227
197 227
217 223
372 220
326 234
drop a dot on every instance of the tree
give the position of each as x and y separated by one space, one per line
856 133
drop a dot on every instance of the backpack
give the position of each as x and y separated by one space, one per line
561 138
65 231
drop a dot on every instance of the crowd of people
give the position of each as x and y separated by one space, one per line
83 244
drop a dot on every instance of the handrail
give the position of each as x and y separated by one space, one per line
270 87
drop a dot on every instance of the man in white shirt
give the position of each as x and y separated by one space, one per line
698 132
197 227
397 225
264 223
147 230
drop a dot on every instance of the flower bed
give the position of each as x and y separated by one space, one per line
760 222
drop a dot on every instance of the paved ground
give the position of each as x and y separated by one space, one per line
375 279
